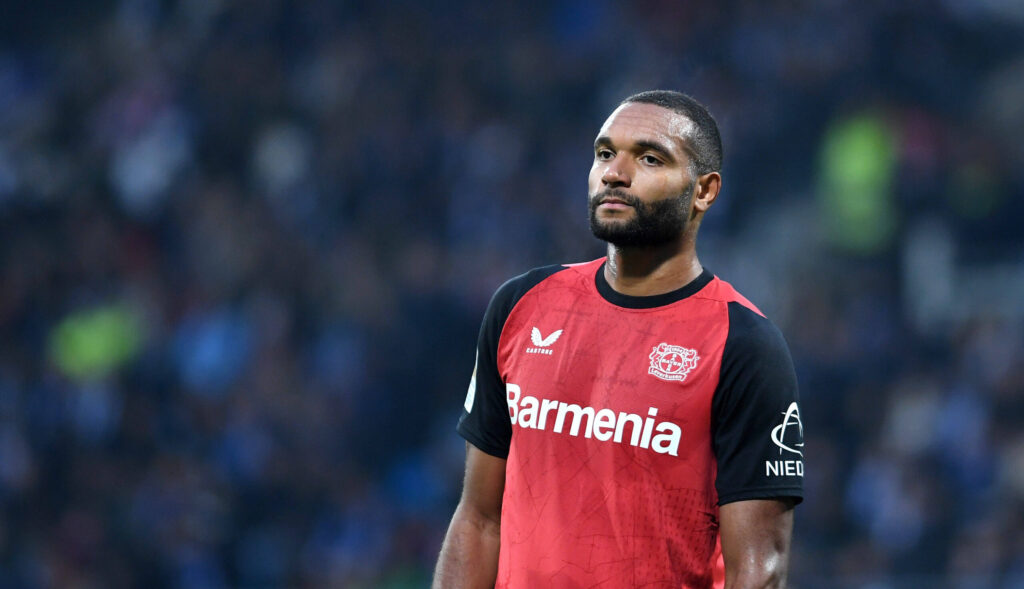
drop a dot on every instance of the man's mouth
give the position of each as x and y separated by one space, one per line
614 203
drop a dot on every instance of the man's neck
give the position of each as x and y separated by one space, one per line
651 271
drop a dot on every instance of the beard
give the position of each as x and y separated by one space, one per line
653 224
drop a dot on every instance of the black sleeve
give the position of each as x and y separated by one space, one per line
485 421
755 416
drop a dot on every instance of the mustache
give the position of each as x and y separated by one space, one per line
629 199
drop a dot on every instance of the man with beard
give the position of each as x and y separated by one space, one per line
631 421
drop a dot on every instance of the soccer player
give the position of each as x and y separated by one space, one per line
631 421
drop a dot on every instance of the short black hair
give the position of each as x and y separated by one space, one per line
704 141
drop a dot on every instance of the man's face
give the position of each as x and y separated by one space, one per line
641 188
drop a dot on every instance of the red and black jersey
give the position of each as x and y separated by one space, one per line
626 421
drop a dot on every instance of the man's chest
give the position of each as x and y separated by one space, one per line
592 370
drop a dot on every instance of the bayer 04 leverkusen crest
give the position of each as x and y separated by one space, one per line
672 362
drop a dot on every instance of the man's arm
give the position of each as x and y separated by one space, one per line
469 555
758 442
755 542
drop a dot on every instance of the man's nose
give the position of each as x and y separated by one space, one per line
616 173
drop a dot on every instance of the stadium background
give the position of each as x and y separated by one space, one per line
245 247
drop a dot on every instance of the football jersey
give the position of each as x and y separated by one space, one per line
626 422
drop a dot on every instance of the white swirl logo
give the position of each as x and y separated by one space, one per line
790 417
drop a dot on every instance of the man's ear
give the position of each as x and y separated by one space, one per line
706 191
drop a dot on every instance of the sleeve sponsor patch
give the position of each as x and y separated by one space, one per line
788 437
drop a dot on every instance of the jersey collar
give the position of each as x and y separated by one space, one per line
634 302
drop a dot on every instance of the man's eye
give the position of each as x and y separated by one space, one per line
604 154
651 160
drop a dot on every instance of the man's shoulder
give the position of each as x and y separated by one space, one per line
516 287
751 332
749 328
722 291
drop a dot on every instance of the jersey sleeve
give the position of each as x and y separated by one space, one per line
485 421
756 427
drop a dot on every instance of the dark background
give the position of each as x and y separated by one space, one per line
245 247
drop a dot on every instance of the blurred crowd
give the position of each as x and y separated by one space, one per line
245 247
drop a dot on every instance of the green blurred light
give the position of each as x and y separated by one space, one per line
857 165
95 342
